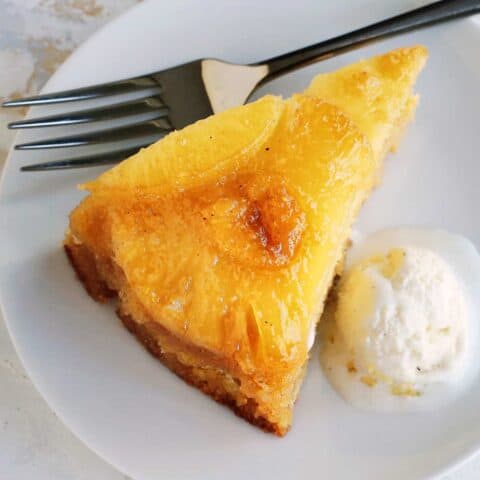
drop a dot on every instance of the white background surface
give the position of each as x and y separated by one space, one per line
33 442
35 36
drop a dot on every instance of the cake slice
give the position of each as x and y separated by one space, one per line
221 240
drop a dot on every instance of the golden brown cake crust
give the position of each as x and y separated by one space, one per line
85 267
87 272
213 389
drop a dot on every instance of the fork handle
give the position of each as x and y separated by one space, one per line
421 17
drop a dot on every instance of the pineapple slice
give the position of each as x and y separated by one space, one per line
258 241
209 152
376 94
238 262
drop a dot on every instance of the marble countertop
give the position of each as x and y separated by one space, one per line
35 37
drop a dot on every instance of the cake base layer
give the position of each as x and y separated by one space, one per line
196 366
210 381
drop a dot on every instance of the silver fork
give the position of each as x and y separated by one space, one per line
195 90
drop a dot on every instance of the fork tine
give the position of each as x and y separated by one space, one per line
127 132
107 112
112 88
105 158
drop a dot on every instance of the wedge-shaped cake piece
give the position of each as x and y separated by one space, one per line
221 242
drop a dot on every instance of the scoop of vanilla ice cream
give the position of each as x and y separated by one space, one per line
403 316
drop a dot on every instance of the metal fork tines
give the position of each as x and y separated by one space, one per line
138 134
153 128
130 85
165 105
186 93
105 158
150 105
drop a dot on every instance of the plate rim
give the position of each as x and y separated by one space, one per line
446 468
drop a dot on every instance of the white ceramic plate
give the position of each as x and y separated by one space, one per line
101 382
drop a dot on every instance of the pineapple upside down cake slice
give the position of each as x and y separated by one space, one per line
221 240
